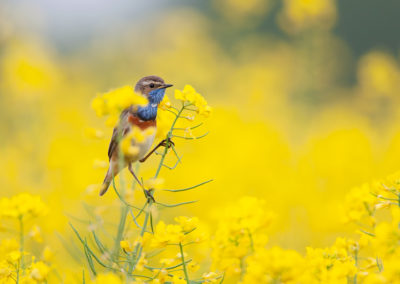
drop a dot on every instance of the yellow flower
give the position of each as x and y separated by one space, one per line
47 253
108 278
298 15
189 94
154 183
275 264
187 224
136 135
112 120
35 234
126 246
141 262
14 256
164 120
379 75
6 271
162 277
39 271
22 205
113 102
165 103
166 234
360 203
241 230
210 277
8 245
178 280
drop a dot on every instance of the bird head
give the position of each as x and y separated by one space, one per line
153 87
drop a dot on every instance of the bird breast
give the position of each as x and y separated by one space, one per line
144 146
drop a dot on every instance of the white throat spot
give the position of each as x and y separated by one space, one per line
153 105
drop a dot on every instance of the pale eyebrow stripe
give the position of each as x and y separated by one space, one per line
149 82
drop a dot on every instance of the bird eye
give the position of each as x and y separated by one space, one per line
151 85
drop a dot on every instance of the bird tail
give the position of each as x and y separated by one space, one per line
106 182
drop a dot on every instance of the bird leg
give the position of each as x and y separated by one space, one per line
147 193
162 143
131 170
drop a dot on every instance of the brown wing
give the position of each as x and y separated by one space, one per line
113 143
122 128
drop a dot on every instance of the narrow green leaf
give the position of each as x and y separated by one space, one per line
101 247
193 127
121 198
176 205
223 278
188 188
191 138
368 233
151 222
89 259
167 268
88 248
134 219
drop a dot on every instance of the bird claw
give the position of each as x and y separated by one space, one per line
162 143
170 143
149 195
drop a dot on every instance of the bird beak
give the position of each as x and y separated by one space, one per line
166 86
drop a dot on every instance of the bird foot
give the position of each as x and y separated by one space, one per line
162 143
149 195
170 143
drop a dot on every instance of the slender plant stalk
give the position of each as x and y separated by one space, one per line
124 212
21 246
169 136
184 264
138 251
120 232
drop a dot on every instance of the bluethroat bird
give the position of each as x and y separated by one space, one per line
153 87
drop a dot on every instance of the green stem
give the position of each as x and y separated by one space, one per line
184 264
169 135
138 251
21 246
120 232
122 220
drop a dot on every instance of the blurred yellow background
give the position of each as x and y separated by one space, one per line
301 113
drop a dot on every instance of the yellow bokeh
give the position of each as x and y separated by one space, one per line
299 155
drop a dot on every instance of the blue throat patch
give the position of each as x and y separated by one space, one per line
149 112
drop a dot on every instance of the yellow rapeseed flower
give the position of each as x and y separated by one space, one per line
167 234
178 280
108 278
209 277
39 271
36 234
298 15
135 136
126 246
22 205
189 94
188 224
113 102
141 262
165 103
154 183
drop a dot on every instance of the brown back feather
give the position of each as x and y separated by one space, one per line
120 130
